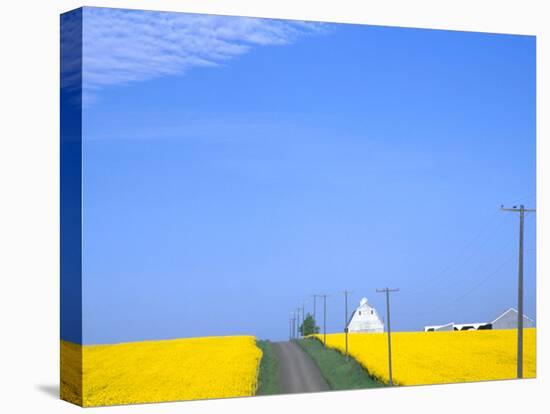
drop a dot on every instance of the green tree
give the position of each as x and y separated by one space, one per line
308 327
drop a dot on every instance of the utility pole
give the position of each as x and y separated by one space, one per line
298 325
521 210
289 329
346 292
293 325
315 312
387 292
324 319
303 318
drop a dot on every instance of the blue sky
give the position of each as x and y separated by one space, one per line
232 167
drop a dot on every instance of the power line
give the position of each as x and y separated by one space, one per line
467 259
476 269
528 197
482 281
450 302
479 266
463 256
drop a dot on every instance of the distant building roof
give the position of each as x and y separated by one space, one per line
475 325
438 327
513 310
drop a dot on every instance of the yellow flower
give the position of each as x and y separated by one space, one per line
440 357
153 371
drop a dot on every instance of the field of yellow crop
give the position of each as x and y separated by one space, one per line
440 357
153 371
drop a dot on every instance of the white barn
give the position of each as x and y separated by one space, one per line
365 319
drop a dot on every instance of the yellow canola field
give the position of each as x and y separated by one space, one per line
154 371
440 357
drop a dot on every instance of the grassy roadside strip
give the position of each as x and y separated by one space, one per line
339 373
268 378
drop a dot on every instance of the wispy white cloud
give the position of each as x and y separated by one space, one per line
122 46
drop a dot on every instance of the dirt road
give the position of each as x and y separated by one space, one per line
297 372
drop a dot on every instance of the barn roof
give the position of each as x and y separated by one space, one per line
511 310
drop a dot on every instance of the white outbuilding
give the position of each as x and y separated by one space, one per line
477 326
365 319
509 320
437 328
